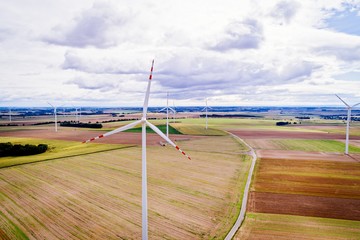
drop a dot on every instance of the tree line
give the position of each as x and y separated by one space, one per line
9 149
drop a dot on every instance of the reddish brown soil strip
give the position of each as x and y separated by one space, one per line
300 155
82 135
302 205
315 178
254 134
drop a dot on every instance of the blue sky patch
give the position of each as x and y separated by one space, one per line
346 22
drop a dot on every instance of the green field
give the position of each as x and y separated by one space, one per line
56 149
313 145
162 128
276 226
242 123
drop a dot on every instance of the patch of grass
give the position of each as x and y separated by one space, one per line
241 123
56 149
258 225
190 129
10 228
313 145
162 128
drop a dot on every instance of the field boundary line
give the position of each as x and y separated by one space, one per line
76 155
241 216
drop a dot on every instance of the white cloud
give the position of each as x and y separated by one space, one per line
241 35
100 51
97 26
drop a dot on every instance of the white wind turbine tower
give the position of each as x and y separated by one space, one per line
76 113
143 122
54 115
174 112
167 108
347 123
10 114
206 112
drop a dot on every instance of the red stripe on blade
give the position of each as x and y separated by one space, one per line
101 136
177 147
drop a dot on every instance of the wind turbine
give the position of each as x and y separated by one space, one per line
76 114
167 113
54 115
174 112
143 122
206 114
10 114
347 123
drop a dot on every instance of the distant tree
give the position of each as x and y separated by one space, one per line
8 149
281 123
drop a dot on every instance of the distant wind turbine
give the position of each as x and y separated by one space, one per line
167 108
206 112
174 112
76 113
349 108
143 122
54 115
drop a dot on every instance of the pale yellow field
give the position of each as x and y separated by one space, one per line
98 196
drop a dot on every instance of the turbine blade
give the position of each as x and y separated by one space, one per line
162 109
120 129
342 100
50 104
173 110
153 127
146 101
355 105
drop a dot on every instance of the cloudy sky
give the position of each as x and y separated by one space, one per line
243 53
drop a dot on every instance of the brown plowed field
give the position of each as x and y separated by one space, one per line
294 204
254 134
300 155
82 135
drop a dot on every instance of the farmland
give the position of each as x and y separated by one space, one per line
57 149
302 180
280 226
304 186
98 196
307 145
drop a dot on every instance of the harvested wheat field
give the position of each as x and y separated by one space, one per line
98 196
277 226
